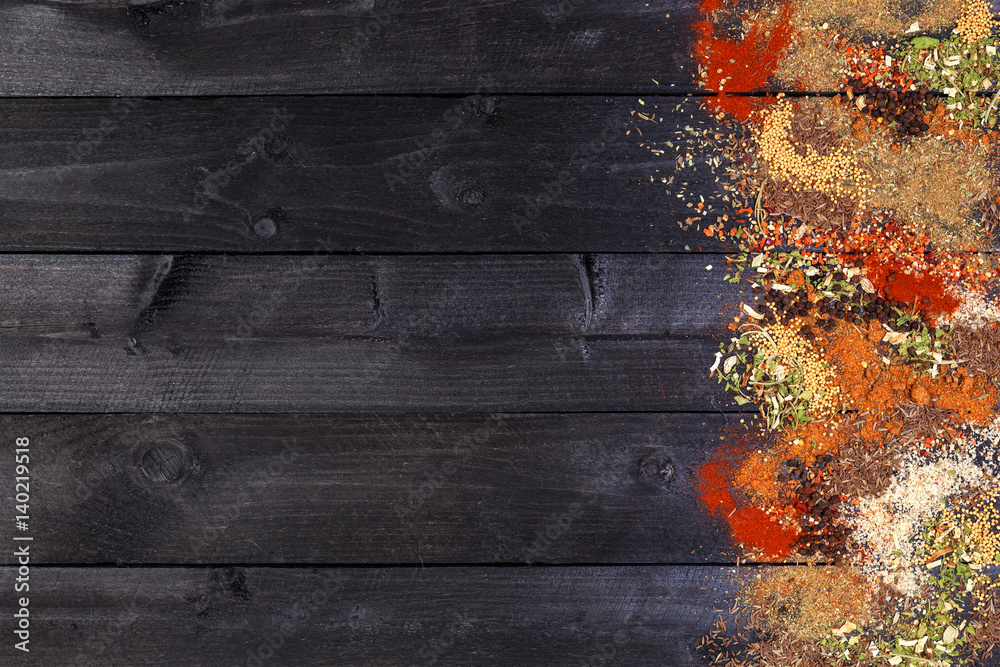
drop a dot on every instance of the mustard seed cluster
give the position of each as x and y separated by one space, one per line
976 21
835 174
979 521
819 377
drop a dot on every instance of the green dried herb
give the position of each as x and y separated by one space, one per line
960 70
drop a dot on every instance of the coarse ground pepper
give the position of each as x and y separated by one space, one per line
810 602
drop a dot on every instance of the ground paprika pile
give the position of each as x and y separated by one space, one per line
925 290
739 66
750 526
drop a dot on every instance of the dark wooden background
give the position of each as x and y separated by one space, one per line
355 332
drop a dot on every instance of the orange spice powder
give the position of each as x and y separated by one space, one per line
758 473
758 532
871 386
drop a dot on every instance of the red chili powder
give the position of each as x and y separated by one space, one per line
749 525
927 290
754 58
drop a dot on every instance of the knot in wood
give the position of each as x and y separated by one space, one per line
163 463
656 469
265 228
472 197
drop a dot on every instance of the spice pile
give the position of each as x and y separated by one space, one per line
868 341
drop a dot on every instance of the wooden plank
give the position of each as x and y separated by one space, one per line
425 489
351 174
124 333
235 47
440 616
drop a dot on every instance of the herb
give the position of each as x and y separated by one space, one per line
757 372
960 70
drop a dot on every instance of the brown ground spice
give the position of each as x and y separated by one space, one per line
865 18
809 602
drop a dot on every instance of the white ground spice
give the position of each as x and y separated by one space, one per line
974 310
888 526
985 440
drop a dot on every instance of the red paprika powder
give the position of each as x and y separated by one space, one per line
744 65
924 290
749 525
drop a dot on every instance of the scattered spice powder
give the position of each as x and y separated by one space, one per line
877 389
809 602
750 526
744 65
757 475
865 19
863 225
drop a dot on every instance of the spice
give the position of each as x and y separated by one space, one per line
976 21
887 527
869 341
925 292
810 602
980 349
744 65
974 521
750 526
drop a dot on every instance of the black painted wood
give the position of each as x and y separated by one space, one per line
237 47
90 333
479 173
381 489
352 379
442 616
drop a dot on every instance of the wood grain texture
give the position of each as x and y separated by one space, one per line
380 489
624 616
238 47
87 333
480 173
